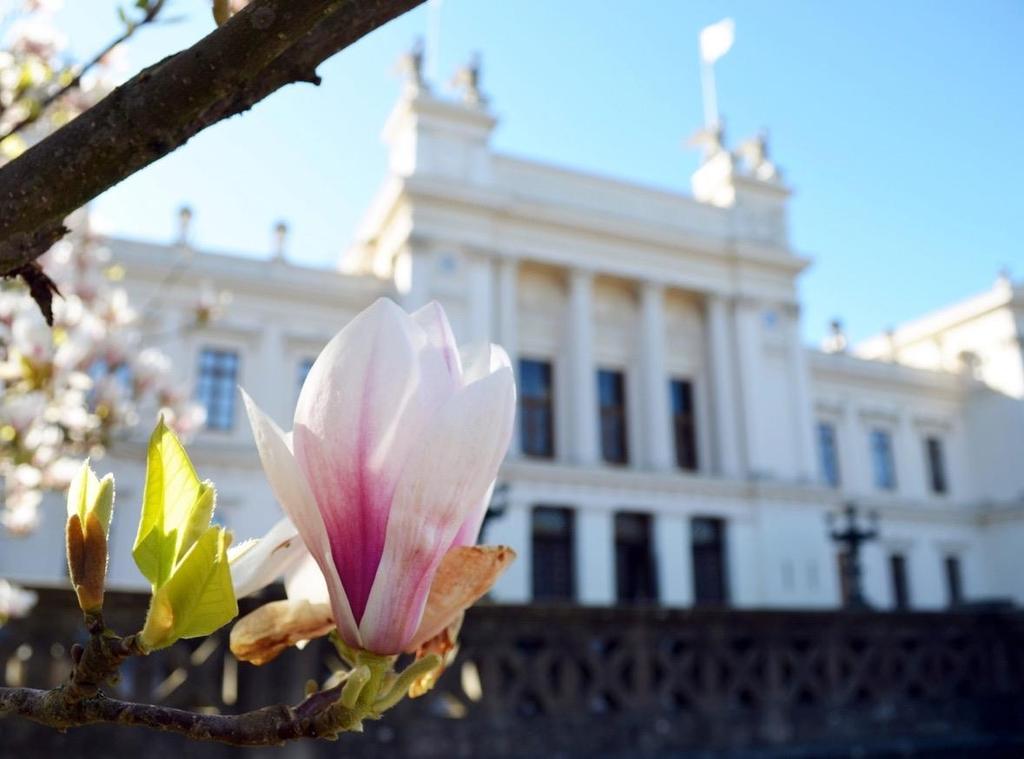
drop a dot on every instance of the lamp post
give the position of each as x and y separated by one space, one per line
852 536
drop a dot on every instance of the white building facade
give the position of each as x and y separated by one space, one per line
676 443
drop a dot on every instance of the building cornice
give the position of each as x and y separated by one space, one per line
150 263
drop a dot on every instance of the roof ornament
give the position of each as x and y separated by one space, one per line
836 342
467 82
279 237
710 140
410 67
753 153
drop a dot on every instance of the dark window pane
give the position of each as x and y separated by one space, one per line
611 393
900 586
304 366
536 405
215 387
882 460
936 465
707 547
828 454
636 576
554 556
684 423
954 582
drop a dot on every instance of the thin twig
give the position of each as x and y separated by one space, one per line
53 97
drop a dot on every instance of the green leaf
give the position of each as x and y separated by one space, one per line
198 597
176 508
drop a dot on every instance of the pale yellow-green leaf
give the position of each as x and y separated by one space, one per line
174 507
198 520
198 597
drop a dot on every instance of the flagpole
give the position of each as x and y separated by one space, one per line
434 40
707 83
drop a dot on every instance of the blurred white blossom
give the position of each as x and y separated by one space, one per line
14 601
66 393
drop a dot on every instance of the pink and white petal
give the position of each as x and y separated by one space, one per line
365 403
293 493
434 322
305 582
469 533
481 359
255 564
455 463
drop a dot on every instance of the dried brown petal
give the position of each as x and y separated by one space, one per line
261 635
466 573
446 645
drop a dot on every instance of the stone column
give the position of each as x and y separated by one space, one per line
480 327
595 557
656 422
507 322
674 557
514 528
806 461
909 457
272 378
855 474
744 562
748 343
583 441
413 274
723 387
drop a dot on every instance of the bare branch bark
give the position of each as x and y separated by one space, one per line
268 45
80 701
321 715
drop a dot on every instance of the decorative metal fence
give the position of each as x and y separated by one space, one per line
579 682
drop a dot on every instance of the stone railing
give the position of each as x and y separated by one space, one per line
576 682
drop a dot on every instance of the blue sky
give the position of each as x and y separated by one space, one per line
897 124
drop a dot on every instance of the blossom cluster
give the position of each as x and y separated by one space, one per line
34 69
68 391
65 392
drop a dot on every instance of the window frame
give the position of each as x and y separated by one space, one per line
953 572
567 537
935 461
829 470
532 411
718 546
685 424
636 565
613 419
899 581
883 459
212 380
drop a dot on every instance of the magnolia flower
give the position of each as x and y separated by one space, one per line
396 448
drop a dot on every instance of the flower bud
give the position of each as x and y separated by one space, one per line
90 507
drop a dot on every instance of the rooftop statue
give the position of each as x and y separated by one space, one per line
710 140
410 66
467 82
753 153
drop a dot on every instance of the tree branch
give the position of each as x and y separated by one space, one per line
368 690
321 715
268 45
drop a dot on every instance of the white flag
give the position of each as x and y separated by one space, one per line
715 40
